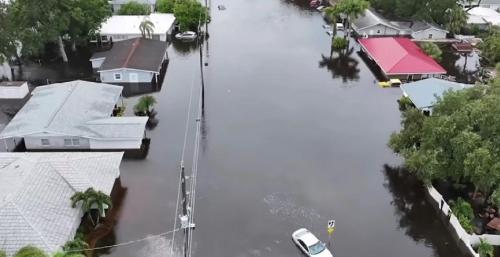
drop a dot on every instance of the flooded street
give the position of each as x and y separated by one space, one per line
291 138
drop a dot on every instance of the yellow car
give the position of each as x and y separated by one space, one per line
390 83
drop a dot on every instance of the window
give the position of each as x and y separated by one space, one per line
45 142
430 36
303 245
67 141
76 141
378 31
118 76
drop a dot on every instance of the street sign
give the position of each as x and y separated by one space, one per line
331 227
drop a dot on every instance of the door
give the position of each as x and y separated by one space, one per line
133 77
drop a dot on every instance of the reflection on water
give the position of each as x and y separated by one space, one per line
341 65
416 216
465 67
184 47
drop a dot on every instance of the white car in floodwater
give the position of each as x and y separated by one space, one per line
188 35
310 244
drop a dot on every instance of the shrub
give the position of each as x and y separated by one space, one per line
485 249
464 212
30 251
405 103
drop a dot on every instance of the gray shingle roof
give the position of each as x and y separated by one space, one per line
136 53
370 18
35 192
74 109
424 93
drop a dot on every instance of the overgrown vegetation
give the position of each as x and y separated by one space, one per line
339 43
134 8
165 6
30 251
490 47
432 49
190 14
145 106
464 213
485 249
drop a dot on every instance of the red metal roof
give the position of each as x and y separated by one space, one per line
400 56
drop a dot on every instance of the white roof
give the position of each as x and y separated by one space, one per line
489 15
129 24
35 192
76 108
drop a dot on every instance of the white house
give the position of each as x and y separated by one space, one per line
492 4
477 14
13 89
75 115
35 192
116 5
425 30
132 61
122 27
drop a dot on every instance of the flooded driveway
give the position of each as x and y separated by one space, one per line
291 139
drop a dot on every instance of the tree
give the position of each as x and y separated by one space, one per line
8 40
134 8
352 9
490 48
332 13
91 199
165 6
30 251
147 28
432 49
485 249
190 14
457 19
145 105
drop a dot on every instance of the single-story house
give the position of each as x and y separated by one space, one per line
400 58
372 24
116 5
75 115
122 27
492 4
13 89
35 192
137 61
424 93
479 15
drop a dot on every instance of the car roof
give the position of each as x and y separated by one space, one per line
309 239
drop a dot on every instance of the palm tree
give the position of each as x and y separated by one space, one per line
30 251
332 14
352 9
145 105
92 199
457 19
147 28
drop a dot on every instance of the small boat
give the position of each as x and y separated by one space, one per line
187 35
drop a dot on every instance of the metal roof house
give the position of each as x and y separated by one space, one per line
424 93
492 4
132 61
400 58
116 5
35 192
122 27
75 115
372 24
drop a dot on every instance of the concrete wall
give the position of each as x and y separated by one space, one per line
378 30
14 92
142 76
429 34
115 144
96 63
34 142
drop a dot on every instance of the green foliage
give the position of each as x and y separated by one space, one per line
351 8
2 253
464 213
30 251
76 246
190 14
134 8
339 43
490 48
64 254
495 198
86 17
92 199
432 50
405 103
485 249
457 19
145 104
8 45
147 28
165 6
459 142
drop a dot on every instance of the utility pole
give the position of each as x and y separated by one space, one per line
185 216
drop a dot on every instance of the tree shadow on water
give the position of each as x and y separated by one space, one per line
341 65
417 218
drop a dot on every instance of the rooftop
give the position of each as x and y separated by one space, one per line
136 53
487 14
424 93
370 18
129 24
12 83
35 192
400 56
76 108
